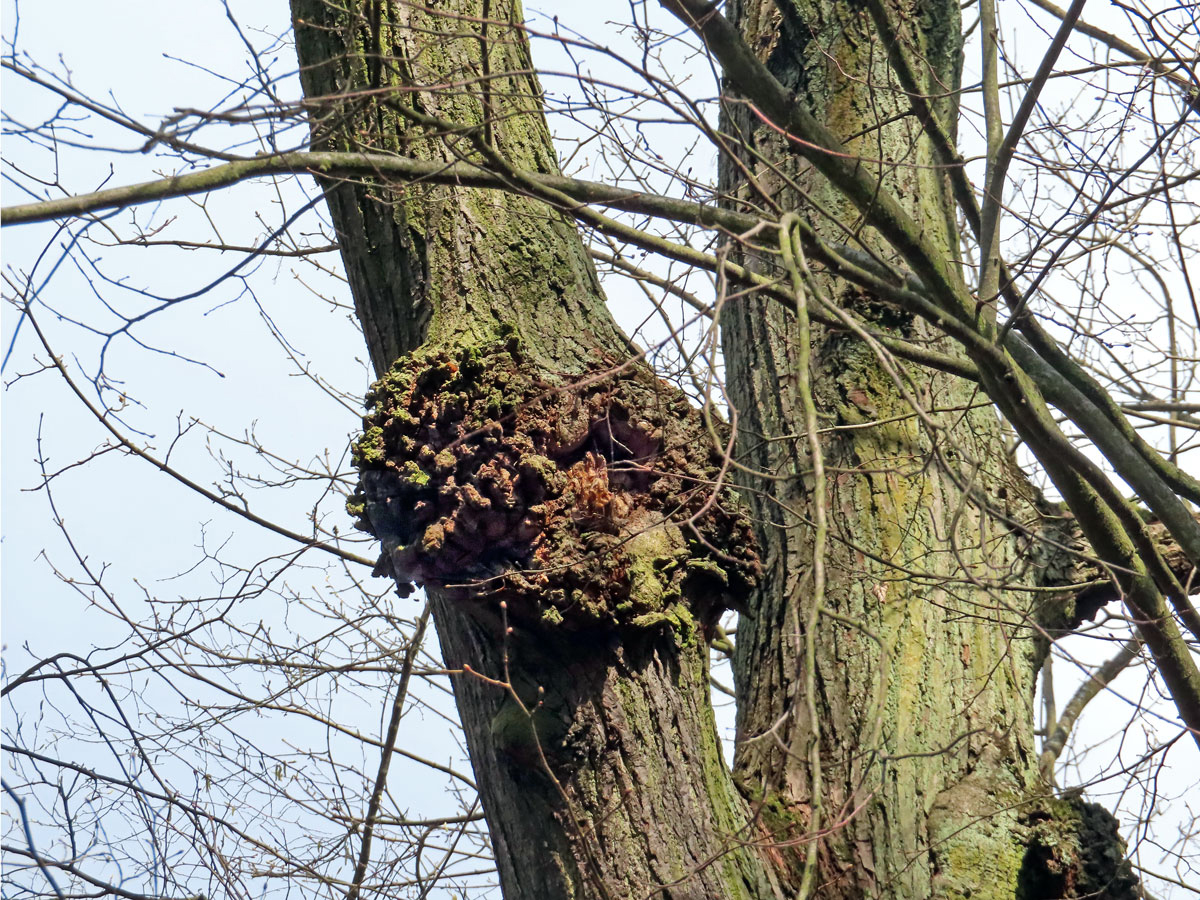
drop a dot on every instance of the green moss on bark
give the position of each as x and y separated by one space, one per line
1075 850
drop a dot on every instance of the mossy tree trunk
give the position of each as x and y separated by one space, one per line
932 628
531 479
540 487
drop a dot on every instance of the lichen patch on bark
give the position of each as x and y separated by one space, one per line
583 502
1075 850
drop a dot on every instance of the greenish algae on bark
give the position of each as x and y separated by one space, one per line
599 769
599 766
930 641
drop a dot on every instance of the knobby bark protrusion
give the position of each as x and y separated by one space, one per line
587 505
562 506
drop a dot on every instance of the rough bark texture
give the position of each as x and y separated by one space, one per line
931 637
582 506
556 499
434 264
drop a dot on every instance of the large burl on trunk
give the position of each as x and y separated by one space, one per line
566 510
589 503
560 503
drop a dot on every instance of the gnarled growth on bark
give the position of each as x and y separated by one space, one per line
588 504
559 502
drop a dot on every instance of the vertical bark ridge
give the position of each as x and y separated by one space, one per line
627 729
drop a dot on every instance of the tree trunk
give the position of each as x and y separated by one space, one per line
537 483
562 506
929 637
